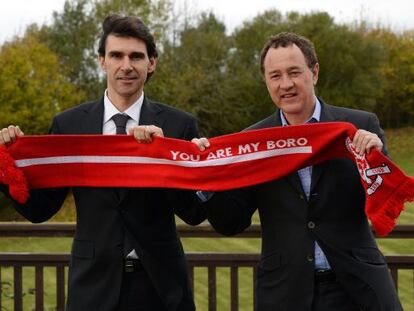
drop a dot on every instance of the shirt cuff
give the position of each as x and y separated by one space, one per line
204 196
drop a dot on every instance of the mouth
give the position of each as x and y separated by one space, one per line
288 95
127 79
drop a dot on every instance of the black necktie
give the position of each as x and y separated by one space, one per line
120 122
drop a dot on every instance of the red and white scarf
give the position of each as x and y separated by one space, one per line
233 161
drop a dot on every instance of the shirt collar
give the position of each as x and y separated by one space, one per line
316 116
133 112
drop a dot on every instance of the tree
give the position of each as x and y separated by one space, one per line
32 87
73 35
347 76
248 96
191 75
396 95
154 13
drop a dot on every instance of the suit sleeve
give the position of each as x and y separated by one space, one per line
191 130
42 204
230 212
185 203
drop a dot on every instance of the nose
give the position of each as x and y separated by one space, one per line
286 82
126 64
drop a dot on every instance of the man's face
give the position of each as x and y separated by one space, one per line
127 65
291 82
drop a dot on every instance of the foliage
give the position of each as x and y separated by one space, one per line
154 13
192 75
396 94
32 86
347 76
72 36
215 74
74 33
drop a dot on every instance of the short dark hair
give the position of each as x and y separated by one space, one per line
285 39
126 26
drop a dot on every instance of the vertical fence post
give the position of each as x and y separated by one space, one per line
212 299
39 286
60 287
234 288
18 288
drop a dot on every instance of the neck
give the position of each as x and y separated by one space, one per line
296 120
122 103
302 117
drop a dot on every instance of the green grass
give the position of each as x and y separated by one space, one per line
29 288
401 147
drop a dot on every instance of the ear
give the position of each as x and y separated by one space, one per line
152 64
315 73
102 63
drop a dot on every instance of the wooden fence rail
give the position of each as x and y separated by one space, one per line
210 261
11 229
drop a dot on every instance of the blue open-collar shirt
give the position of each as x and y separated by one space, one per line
305 175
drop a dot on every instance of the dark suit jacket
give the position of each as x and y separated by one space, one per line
104 216
334 216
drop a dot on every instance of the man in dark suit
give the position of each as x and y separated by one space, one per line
318 252
126 254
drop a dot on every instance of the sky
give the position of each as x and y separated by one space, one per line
15 15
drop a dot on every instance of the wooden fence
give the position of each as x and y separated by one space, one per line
211 261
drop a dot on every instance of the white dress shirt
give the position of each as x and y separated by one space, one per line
109 127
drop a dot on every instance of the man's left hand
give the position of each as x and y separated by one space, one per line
144 133
201 143
364 141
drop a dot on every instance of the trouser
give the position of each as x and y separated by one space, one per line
137 291
329 294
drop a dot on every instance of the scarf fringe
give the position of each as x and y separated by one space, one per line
384 220
13 177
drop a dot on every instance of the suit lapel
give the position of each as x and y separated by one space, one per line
93 121
151 114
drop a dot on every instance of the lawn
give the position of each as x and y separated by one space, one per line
401 147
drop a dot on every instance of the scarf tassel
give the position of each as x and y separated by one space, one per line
384 220
13 177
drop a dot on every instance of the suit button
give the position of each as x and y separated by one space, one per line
311 225
302 197
310 257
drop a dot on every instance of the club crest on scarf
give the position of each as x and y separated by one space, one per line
371 176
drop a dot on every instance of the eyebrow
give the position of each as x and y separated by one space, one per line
273 71
134 53
288 69
137 53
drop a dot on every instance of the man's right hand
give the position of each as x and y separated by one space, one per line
9 134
